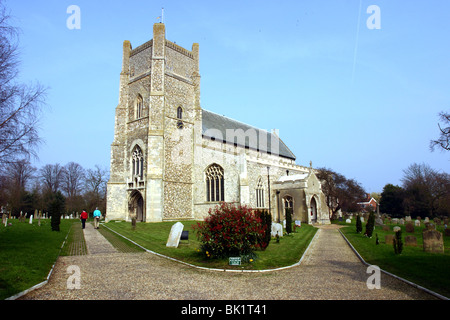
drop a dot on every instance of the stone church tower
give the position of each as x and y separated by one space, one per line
159 102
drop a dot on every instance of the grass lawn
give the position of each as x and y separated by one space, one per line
153 236
429 270
27 253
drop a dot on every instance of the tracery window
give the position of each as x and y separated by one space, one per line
288 202
138 162
260 194
215 184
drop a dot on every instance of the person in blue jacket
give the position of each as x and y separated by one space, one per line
97 215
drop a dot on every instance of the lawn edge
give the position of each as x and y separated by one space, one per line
440 296
216 269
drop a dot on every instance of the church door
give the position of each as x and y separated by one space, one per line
140 209
313 210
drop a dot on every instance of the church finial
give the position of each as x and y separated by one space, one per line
310 164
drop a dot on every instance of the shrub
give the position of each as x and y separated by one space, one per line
358 224
288 220
370 225
56 207
266 221
398 243
229 231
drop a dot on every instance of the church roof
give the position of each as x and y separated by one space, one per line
216 126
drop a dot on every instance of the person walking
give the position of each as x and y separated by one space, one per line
83 218
97 215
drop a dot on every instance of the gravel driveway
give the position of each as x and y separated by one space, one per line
329 270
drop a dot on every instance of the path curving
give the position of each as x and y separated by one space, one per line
330 270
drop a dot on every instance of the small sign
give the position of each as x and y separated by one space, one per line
235 261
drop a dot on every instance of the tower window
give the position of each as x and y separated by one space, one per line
180 113
138 162
215 184
139 107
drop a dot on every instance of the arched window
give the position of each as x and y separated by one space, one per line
138 162
139 107
288 202
260 194
180 113
215 186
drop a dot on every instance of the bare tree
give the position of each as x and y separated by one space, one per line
51 175
20 105
443 142
96 180
72 179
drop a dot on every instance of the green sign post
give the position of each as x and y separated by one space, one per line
235 261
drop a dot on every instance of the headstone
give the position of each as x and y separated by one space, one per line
175 235
401 221
386 228
298 223
284 224
408 218
437 221
362 219
409 227
433 241
397 229
427 220
394 221
277 228
31 219
411 241
417 223
389 239
378 221
348 221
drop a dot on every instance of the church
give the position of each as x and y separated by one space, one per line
173 160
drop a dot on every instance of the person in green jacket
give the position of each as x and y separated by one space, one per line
97 215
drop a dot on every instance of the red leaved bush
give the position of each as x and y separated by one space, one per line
230 230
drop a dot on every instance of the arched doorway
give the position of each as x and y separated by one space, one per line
136 206
313 207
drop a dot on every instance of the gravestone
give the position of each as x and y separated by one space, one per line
427 220
417 223
31 219
408 218
379 221
401 221
389 239
437 221
298 223
175 235
362 219
411 241
277 228
433 241
409 227
394 221
386 228
397 229
348 221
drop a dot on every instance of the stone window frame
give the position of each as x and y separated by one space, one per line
139 109
180 113
215 183
137 162
260 193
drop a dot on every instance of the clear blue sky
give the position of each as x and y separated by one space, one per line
362 102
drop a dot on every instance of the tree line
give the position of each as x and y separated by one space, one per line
24 188
424 192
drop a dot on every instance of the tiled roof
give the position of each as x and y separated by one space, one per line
216 126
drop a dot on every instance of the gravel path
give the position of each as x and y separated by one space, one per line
329 270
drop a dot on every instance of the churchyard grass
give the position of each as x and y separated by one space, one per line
153 236
429 270
27 253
